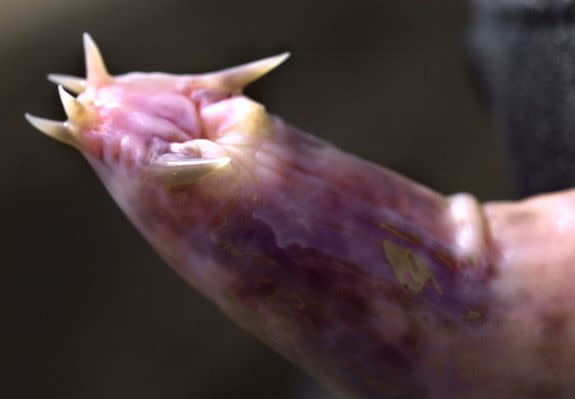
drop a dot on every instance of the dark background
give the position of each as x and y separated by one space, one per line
90 311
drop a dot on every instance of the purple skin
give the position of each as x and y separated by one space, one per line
377 286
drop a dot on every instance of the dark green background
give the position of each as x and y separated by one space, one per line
90 311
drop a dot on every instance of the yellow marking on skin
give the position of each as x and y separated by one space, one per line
411 270
472 315
442 257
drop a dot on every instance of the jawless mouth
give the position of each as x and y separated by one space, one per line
227 120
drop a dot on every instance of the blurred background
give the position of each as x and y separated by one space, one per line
90 310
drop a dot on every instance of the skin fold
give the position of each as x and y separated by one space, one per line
377 286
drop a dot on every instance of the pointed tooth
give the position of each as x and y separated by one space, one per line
96 72
181 160
179 170
55 129
236 78
74 109
73 83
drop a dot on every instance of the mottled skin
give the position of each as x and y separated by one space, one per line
379 287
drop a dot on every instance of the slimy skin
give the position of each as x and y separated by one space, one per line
378 287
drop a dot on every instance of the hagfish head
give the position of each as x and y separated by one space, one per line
175 128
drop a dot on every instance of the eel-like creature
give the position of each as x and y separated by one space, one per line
377 286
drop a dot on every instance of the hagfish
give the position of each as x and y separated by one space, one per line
375 285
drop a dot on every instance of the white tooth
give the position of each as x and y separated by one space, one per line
189 147
73 83
96 72
236 78
179 170
55 129
74 109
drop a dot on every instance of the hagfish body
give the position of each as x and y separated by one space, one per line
377 286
